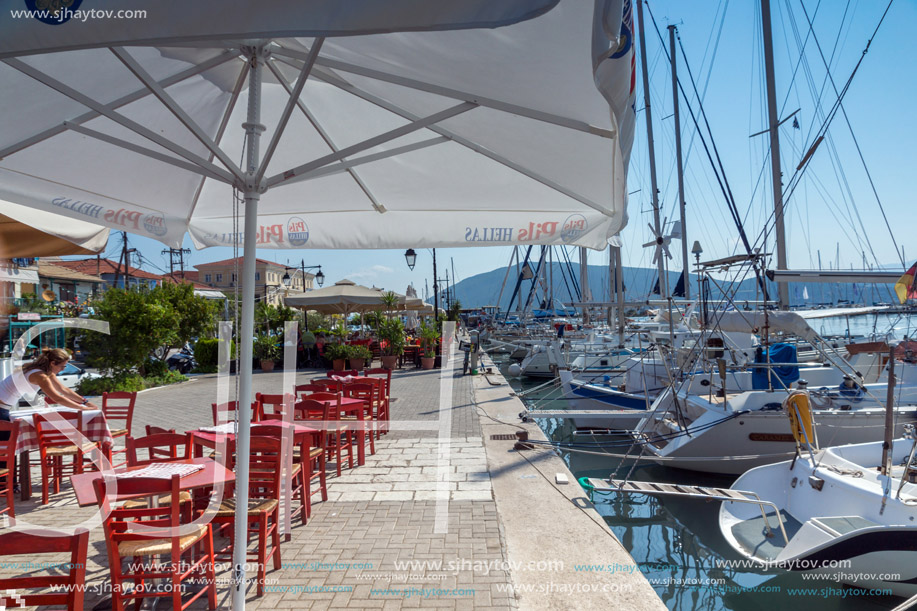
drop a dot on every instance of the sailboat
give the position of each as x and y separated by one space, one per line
847 512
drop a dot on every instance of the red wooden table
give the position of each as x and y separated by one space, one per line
95 428
213 473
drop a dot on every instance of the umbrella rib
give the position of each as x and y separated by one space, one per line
372 142
121 120
169 102
346 166
343 84
448 92
122 101
294 94
236 92
328 140
136 148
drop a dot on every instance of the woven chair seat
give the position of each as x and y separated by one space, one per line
118 432
155 547
255 506
70 450
166 499
4 472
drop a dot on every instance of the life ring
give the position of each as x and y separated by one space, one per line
802 425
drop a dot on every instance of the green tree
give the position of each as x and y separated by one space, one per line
195 316
391 301
138 324
454 311
314 321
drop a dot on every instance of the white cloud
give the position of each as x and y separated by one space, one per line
369 273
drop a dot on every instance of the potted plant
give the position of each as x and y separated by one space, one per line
429 337
337 354
391 341
358 355
265 350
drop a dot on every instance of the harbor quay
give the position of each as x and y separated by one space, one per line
445 513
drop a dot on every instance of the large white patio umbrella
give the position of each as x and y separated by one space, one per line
386 125
344 297
27 232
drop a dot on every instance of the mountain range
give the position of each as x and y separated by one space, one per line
485 288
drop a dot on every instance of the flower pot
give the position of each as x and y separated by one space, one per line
390 362
427 362
267 365
338 364
357 364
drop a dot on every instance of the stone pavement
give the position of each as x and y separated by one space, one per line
386 538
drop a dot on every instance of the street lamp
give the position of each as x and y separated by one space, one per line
411 258
319 277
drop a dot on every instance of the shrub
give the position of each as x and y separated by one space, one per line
154 367
265 348
127 382
207 352
336 351
391 337
359 352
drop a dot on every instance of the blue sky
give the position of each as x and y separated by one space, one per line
833 212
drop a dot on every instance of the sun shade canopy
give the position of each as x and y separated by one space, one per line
455 137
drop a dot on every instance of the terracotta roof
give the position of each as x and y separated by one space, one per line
104 266
239 259
177 279
57 272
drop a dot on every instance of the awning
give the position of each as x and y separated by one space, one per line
9 273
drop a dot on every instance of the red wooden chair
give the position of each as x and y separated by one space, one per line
263 504
161 447
9 430
369 394
343 374
54 445
301 463
226 412
330 385
157 452
69 587
386 375
118 408
124 538
272 404
338 436
312 412
304 389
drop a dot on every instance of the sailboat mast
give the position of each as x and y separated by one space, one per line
585 292
663 288
773 123
680 169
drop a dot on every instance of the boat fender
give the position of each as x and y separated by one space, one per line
799 411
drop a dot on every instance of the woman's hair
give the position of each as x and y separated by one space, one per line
49 356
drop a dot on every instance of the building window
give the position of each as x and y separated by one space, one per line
219 277
258 276
207 278
233 277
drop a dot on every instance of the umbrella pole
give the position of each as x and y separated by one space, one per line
252 196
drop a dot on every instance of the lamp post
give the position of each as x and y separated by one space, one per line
319 277
411 258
